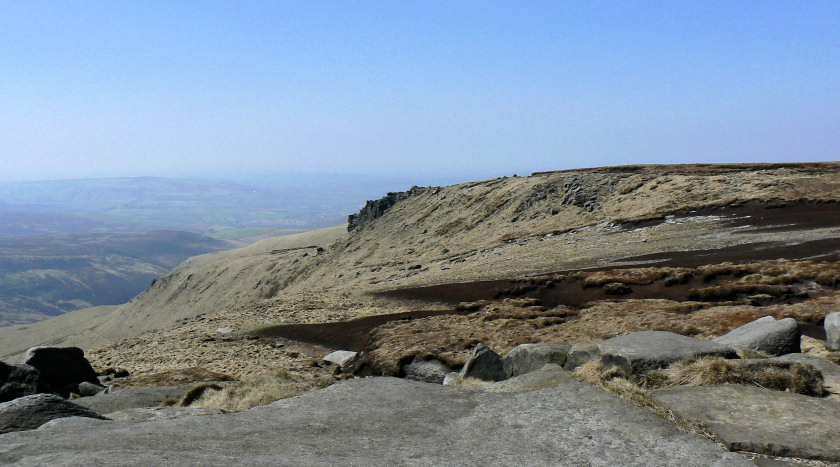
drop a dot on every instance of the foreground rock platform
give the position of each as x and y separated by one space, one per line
389 421
759 420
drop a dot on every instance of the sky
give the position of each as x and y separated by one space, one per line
424 89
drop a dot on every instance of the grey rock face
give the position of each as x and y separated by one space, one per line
30 412
451 379
526 358
484 364
62 368
766 335
430 371
759 420
387 421
832 331
639 352
18 381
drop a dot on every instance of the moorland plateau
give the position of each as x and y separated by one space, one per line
568 256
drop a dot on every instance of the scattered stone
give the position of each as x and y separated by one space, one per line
526 358
224 330
341 358
30 412
62 368
484 364
429 371
639 352
18 381
832 331
747 418
765 335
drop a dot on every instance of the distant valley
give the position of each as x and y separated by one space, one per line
42 277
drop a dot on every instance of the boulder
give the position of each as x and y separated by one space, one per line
62 368
748 418
526 358
340 357
30 412
765 335
18 381
87 389
639 352
832 331
484 364
429 371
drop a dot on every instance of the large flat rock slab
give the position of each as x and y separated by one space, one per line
388 421
748 418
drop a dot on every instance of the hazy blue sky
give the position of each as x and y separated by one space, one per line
412 88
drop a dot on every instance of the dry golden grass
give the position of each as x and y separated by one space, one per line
257 390
713 371
177 377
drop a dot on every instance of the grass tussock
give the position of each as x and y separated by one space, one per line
614 380
713 371
256 390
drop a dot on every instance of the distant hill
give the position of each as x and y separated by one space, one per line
245 211
42 277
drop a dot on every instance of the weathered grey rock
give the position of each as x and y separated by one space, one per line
160 413
429 371
62 368
387 421
340 357
484 364
30 412
549 376
832 331
87 389
639 352
130 398
18 381
765 335
830 371
753 419
525 358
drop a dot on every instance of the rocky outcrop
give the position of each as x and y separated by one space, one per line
375 208
639 352
62 368
18 381
30 412
526 358
765 335
832 331
484 364
119 399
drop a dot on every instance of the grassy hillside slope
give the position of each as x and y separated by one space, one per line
491 229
